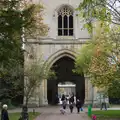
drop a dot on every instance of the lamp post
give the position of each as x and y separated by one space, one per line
24 113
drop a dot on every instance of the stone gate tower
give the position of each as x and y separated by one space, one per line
66 35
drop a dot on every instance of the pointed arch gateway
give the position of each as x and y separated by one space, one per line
62 62
59 54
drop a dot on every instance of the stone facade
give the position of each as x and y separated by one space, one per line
53 47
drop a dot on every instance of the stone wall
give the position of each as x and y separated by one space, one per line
52 47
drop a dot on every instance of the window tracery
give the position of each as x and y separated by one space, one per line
65 21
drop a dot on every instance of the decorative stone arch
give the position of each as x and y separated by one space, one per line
56 10
60 6
59 54
50 62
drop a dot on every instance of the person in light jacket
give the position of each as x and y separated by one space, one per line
104 102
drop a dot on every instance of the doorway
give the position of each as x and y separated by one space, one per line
64 73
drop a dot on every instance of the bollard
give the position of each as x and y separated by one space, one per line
89 110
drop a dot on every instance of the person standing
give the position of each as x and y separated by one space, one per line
56 99
63 98
75 99
64 104
71 106
78 105
104 100
71 99
4 113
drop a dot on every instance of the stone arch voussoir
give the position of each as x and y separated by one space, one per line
59 54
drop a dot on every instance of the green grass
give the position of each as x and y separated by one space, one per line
107 114
15 116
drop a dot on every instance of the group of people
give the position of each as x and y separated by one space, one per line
72 103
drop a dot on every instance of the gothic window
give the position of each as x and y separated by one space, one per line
65 21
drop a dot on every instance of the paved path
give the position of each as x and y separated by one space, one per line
53 113
63 117
47 109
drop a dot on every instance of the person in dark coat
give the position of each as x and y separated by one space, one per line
4 113
71 99
78 105
56 99
63 97
71 106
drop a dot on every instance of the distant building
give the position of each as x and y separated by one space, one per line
67 89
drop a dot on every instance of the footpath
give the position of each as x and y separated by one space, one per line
53 113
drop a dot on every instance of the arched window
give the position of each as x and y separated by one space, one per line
65 21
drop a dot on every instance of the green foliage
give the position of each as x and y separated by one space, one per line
100 59
35 72
14 16
100 10
114 89
84 58
6 101
103 63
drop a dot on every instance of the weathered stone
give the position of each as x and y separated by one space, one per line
53 47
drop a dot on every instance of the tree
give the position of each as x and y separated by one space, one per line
102 10
103 62
114 89
14 16
100 59
35 73
17 18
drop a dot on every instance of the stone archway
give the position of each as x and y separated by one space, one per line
63 55
59 54
63 66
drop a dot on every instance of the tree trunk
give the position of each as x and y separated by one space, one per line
26 101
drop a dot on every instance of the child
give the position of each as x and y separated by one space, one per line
81 109
71 107
94 117
62 111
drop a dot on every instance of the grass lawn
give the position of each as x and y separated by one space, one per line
15 116
110 114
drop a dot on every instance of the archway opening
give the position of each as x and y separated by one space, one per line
66 88
64 73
